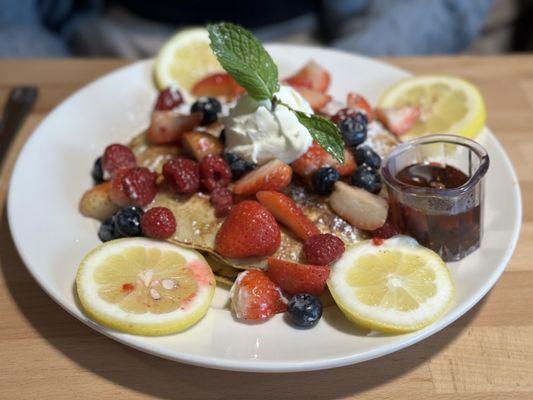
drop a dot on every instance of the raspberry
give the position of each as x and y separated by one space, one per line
158 223
214 172
323 249
182 175
342 114
168 99
388 230
222 201
135 186
117 156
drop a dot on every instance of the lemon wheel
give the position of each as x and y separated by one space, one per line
395 287
448 105
144 286
185 59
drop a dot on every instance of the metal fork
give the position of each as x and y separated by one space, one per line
19 105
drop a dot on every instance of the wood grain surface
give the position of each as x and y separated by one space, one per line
487 354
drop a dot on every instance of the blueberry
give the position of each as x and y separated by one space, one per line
238 166
366 178
304 310
98 172
107 230
365 155
209 106
128 221
353 129
324 179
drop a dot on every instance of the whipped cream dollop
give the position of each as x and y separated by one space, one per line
257 133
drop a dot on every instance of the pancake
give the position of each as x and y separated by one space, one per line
197 225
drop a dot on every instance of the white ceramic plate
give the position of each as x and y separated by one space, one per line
52 172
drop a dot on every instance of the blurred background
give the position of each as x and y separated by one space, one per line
137 28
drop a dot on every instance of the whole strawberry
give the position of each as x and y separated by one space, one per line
250 230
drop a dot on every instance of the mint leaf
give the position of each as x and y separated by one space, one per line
324 132
245 59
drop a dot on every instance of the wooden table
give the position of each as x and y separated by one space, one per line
487 354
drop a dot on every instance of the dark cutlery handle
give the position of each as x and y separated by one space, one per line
19 104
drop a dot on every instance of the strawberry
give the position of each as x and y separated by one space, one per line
96 203
168 126
299 81
316 157
274 175
255 297
360 208
311 76
349 165
358 102
296 278
317 100
250 230
286 211
199 144
215 85
398 120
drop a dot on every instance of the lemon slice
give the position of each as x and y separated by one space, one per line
185 59
448 105
144 286
398 286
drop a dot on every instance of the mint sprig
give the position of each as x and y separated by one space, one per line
325 133
247 61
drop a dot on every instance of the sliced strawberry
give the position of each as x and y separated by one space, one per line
316 157
220 84
96 202
360 208
358 102
349 165
255 297
313 76
317 100
296 278
299 81
398 120
250 230
274 175
286 211
168 126
199 144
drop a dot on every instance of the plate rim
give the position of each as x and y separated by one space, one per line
270 366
